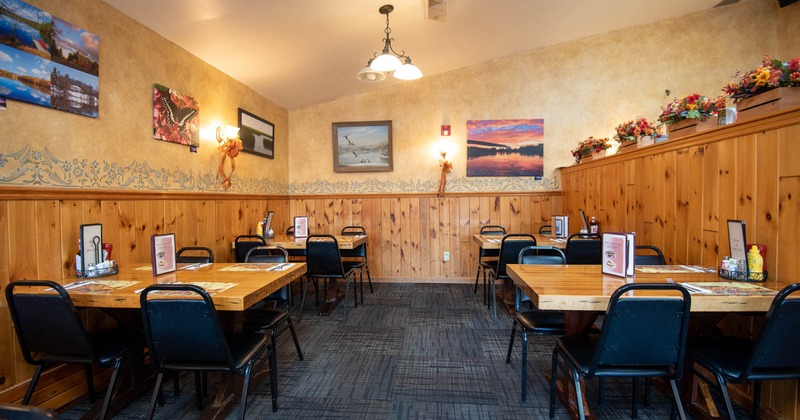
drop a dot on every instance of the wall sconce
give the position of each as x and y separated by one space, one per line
446 166
230 145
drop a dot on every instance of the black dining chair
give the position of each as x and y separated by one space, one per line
641 337
184 334
295 254
545 230
323 262
24 412
584 248
273 320
194 255
356 258
245 243
510 247
50 331
771 355
535 321
649 255
487 258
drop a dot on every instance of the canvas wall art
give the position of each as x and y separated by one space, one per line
47 61
362 146
505 147
257 135
176 117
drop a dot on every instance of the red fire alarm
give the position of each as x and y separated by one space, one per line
445 130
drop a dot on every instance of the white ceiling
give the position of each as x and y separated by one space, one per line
303 52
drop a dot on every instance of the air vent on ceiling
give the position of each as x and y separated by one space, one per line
435 9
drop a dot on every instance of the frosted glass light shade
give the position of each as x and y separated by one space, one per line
385 62
367 74
408 71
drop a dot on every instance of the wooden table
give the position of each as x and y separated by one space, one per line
583 292
250 283
334 295
494 241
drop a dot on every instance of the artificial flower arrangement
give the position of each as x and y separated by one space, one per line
632 130
694 106
769 75
590 146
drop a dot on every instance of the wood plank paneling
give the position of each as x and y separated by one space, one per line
681 194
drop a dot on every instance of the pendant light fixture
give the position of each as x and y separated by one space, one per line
389 60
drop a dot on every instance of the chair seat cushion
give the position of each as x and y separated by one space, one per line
353 265
542 322
262 318
579 350
728 356
245 346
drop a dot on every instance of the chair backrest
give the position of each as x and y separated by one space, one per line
245 243
493 230
47 323
779 338
359 251
322 257
541 255
545 230
183 330
25 412
655 257
205 255
510 248
584 248
290 230
267 254
644 331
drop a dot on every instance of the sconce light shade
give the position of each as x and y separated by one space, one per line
408 71
367 74
227 132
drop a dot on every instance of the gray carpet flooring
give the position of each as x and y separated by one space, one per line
411 351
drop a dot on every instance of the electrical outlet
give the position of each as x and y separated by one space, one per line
446 256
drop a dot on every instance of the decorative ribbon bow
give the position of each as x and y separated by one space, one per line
229 148
447 166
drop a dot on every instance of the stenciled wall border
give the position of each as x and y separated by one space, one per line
41 167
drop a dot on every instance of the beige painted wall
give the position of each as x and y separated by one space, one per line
132 59
580 88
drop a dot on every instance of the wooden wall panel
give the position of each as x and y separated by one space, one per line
679 195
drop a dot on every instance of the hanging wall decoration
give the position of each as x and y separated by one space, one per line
176 117
505 148
47 61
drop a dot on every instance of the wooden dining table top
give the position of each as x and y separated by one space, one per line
290 242
239 285
494 241
586 288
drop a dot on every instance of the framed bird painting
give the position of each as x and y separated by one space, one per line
176 117
364 146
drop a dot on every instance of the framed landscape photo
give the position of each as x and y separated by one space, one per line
364 146
257 135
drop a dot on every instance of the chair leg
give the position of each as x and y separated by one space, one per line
29 393
524 362
647 382
634 399
756 401
576 381
477 276
198 390
601 391
511 342
294 337
346 296
494 298
110 391
724 388
553 377
151 410
303 299
90 383
273 366
361 283
355 291
245 385
369 279
677 396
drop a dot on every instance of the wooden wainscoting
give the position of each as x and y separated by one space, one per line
407 235
678 196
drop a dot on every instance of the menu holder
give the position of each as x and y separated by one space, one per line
300 226
560 226
162 248
619 254
91 247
